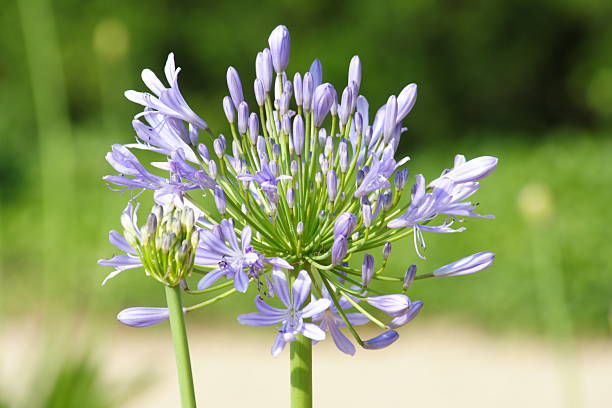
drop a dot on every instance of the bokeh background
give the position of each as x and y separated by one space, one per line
529 82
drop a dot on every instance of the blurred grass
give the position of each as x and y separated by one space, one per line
572 164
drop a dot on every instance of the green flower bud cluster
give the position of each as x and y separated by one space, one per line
166 243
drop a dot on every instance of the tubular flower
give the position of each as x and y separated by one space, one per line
301 186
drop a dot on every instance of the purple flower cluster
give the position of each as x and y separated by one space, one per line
303 181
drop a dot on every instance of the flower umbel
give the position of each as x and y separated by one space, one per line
303 185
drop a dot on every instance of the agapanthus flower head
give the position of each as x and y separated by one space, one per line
294 195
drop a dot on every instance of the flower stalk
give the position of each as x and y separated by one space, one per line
301 372
181 346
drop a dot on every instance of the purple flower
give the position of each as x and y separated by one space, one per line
280 43
292 317
464 266
168 101
381 341
123 262
425 207
472 170
231 259
143 316
164 135
380 171
265 178
331 321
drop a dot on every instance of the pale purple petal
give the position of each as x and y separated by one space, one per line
412 312
281 288
301 289
313 332
315 307
343 344
260 319
279 344
210 278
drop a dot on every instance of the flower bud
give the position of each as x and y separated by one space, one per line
339 249
300 228
253 128
294 167
316 71
409 277
386 250
343 153
332 186
243 117
358 120
203 151
345 224
220 200
390 122
263 69
386 200
323 99
290 195
260 93
276 150
405 101
143 316
298 135
283 105
212 169
234 86
344 111
279 42
228 108
307 92
318 178
297 88
366 212
286 125
219 146
381 341
367 269
464 266
354 73
400 178
359 177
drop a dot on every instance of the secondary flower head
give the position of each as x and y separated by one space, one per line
164 246
298 189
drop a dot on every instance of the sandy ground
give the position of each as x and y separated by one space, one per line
432 365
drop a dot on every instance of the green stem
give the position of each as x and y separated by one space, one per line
181 348
301 372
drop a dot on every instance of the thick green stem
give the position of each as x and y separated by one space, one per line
181 348
301 372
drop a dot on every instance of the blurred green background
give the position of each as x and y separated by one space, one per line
529 82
